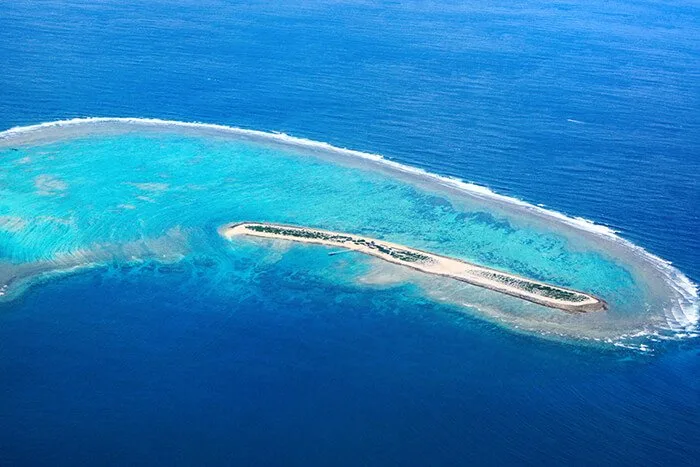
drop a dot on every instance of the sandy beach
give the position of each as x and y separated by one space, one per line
430 263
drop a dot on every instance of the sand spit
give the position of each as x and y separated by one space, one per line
430 263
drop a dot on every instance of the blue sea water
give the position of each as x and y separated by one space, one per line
178 348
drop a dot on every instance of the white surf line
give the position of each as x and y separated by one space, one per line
474 189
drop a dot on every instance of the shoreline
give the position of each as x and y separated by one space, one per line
541 293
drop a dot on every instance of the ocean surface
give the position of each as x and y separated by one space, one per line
560 141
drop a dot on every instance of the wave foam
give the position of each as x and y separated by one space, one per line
684 317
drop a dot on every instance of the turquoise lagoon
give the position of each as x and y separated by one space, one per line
100 192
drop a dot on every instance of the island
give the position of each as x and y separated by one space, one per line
510 284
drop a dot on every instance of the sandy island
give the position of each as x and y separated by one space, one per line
527 289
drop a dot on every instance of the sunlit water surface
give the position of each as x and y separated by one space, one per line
166 345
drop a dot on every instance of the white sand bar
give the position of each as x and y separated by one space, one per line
527 289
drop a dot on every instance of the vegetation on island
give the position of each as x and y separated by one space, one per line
533 287
403 255
525 285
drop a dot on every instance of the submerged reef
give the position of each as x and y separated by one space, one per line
102 191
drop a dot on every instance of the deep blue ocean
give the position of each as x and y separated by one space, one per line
245 355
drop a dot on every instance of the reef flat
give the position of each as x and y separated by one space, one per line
110 192
527 289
